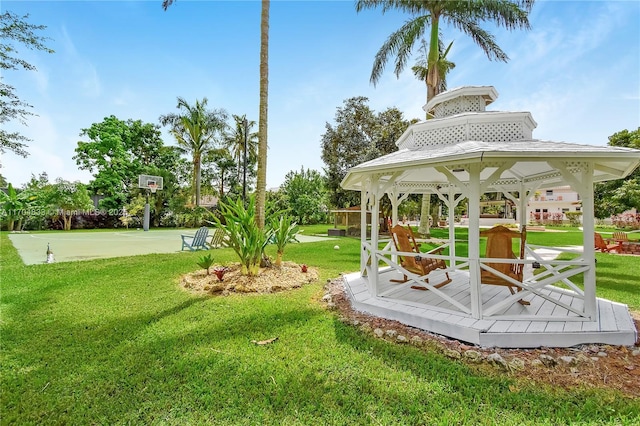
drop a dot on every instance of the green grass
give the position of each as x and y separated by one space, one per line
116 341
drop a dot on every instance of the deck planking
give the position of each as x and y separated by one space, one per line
516 326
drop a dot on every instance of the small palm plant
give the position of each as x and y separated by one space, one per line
284 232
206 262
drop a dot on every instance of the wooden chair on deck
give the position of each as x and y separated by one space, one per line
499 246
620 237
405 241
606 246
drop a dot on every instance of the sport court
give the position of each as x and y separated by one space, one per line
72 246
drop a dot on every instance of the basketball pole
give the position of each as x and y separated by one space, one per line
147 214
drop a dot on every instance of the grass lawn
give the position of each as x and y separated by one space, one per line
116 341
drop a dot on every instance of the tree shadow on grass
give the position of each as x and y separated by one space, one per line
478 393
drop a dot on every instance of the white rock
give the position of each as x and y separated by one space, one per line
496 360
568 360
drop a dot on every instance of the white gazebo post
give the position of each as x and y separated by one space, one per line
474 240
452 226
588 226
373 200
363 225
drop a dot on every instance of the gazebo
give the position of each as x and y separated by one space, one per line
462 152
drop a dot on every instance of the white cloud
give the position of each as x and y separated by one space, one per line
81 70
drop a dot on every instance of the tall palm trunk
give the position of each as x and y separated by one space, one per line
262 125
196 177
433 87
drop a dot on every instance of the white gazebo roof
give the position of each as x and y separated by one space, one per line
532 162
433 151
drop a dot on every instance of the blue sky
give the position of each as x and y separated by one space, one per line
577 71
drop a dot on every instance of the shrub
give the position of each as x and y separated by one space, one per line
245 238
574 218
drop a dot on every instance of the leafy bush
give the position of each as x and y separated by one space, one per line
626 221
574 218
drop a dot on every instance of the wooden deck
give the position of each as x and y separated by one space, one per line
517 326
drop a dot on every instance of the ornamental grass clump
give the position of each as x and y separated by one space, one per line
245 238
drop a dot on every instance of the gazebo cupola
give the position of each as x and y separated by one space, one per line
460 115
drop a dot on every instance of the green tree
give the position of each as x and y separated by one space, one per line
225 177
616 196
305 196
15 29
195 129
14 205
69 198
235 142
358 135
36 193
263 111
116 153
466 16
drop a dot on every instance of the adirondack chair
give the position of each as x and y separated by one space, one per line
499 246
217 240
197 241
405 241
606 246
620 237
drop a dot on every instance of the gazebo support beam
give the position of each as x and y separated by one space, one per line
584 186
474 239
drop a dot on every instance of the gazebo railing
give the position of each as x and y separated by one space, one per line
554 278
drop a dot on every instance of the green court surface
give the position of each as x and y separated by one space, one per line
71 246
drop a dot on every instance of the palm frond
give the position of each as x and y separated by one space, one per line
400 43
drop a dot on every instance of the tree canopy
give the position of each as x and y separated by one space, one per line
305 196
116 153
617 196
14 31
358 134
195 129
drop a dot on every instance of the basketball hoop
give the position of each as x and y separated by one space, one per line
153 187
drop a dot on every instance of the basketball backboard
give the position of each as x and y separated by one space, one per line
150 182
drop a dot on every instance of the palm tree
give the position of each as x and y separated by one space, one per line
235 140
421 71
261 190
465 16
195 129
421 68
